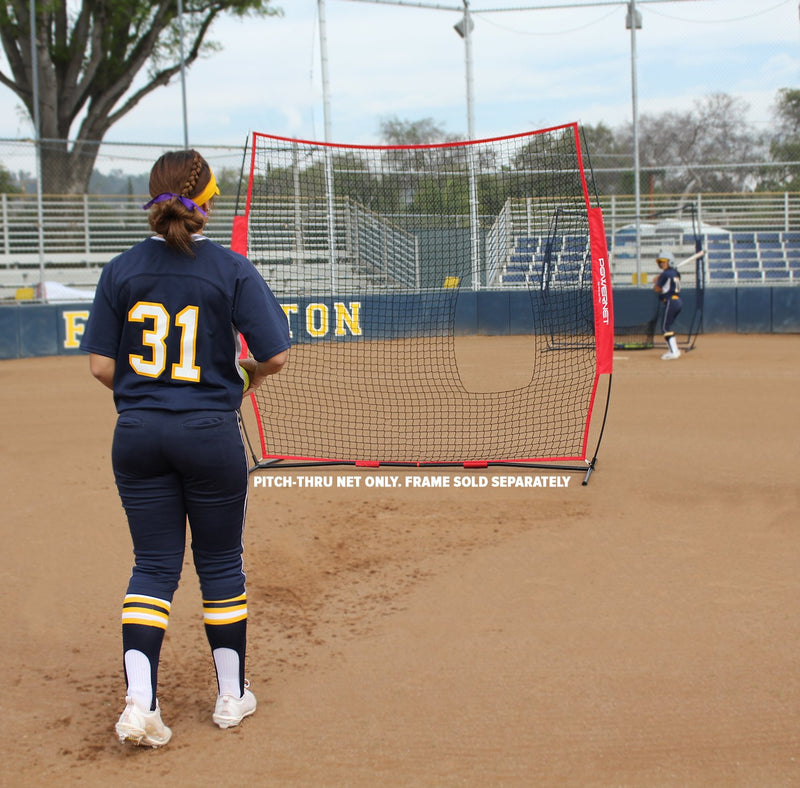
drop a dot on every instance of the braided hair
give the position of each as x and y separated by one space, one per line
183 173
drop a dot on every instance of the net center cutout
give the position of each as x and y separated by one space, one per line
492 364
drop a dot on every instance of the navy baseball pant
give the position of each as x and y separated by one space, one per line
170 467
672 308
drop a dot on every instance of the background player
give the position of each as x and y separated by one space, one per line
668 286
163 335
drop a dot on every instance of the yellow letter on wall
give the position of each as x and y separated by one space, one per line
74 324
350 318
317 320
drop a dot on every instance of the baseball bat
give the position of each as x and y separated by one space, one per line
690 259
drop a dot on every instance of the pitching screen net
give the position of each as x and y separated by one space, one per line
391 263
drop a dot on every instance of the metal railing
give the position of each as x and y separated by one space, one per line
754 211
86 230
79 234
294 235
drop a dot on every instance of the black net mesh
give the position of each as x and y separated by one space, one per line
439 298
640 336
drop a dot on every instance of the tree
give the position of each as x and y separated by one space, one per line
394 131
784 145
610 159
406 133
787 114
411 169
7 183
88 55
711 148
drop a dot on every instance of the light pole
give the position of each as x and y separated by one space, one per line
37 143
633 22
323 58
464 29
326 114
183 77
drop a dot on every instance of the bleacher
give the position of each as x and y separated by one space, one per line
537 261
732 258
753 258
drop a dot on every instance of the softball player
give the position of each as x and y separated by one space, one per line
163 334
668 287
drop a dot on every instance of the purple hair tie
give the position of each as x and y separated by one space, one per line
189 204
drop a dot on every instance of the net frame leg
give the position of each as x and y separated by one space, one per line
696 325
246 434
593 462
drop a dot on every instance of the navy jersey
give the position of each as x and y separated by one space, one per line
172 324
669 281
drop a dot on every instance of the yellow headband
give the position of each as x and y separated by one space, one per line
207 193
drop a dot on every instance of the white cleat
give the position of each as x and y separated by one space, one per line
142 728
230 711
669 356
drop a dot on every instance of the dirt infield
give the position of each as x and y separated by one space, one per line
640 631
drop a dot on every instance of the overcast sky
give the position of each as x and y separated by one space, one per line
532 69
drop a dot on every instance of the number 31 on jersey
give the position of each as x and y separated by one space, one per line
155 336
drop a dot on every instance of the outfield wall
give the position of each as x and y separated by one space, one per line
28 330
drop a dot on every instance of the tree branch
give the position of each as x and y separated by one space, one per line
102 111
89 52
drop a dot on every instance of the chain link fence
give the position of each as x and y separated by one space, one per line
117 168
68 238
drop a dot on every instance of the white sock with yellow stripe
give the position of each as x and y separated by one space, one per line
144 622
226 628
